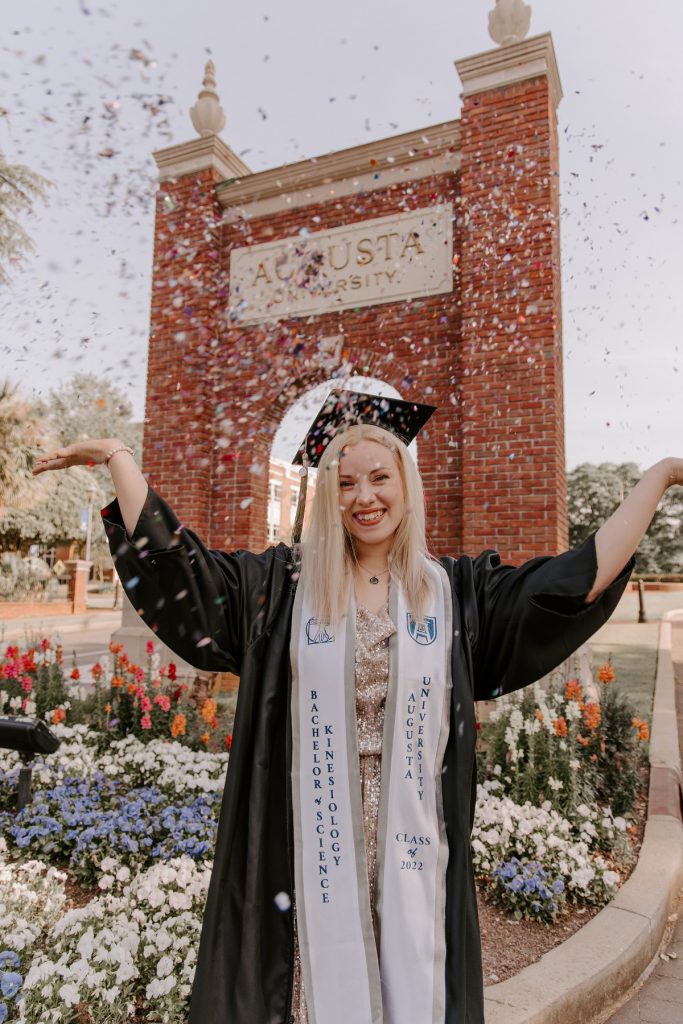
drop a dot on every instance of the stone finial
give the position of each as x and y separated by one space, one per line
509 21
207 113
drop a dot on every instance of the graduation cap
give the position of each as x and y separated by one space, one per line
344 409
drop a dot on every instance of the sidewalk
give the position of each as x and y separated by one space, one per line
18 629
660 998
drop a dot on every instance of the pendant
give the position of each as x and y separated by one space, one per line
373 579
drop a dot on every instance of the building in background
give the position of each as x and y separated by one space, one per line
283 494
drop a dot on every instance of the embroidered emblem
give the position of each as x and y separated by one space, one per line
316 632
422 631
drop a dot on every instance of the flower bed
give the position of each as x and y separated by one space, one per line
560 775
130 811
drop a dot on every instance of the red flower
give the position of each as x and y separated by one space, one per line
150 647
228 741
172 671
75 674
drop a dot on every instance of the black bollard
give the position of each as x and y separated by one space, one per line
641 602
28 736
24 787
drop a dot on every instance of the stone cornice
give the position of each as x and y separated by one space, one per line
404 150
516 62
199 155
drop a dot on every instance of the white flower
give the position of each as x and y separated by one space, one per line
555 784
164 966
160 987
611 878
69 994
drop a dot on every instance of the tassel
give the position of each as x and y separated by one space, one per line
301 503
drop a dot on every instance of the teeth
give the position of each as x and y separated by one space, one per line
371 518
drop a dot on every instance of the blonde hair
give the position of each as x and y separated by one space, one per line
327 549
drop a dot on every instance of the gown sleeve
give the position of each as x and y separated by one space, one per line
208 606
524 621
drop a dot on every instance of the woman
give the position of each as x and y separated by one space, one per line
357 651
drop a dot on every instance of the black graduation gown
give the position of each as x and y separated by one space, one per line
232 612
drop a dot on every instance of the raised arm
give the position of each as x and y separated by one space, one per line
524 620
207 605
129 483
620 535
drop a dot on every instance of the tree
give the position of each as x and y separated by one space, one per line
20 432
19 187
595 491
46 509
88 407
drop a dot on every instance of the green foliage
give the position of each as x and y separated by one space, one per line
19 187
20 431
88 407
594 493
618 776
46 510
21 578
554 746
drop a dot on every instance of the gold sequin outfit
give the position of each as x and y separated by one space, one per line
372 678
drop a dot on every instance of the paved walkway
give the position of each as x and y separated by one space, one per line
660 999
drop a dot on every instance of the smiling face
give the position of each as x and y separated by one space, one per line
371 495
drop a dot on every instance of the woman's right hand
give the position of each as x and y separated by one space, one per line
82 453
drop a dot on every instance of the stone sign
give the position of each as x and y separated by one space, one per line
381 260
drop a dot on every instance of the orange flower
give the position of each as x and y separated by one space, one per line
606 673
58 715
560 726
115 648
209 709
107 708
178 725
583 740
117 681
539 714
573 691
204 738
592 715
643 728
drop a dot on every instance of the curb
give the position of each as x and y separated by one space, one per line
594 969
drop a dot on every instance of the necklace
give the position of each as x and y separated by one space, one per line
374 578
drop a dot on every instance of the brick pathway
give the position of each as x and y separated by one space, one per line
660 999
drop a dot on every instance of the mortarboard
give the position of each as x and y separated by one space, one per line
344 409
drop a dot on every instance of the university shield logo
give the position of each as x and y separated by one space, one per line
422 631
317 632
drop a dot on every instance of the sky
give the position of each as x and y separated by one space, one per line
88 91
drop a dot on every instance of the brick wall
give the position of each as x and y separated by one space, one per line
411 345
178 429
513 463
492 458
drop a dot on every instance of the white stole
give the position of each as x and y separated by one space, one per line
344 979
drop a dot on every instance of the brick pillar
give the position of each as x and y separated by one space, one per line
513 483
79 574
187 301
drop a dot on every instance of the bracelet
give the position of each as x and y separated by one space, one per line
114 451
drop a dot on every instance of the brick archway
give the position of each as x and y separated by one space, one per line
485 346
